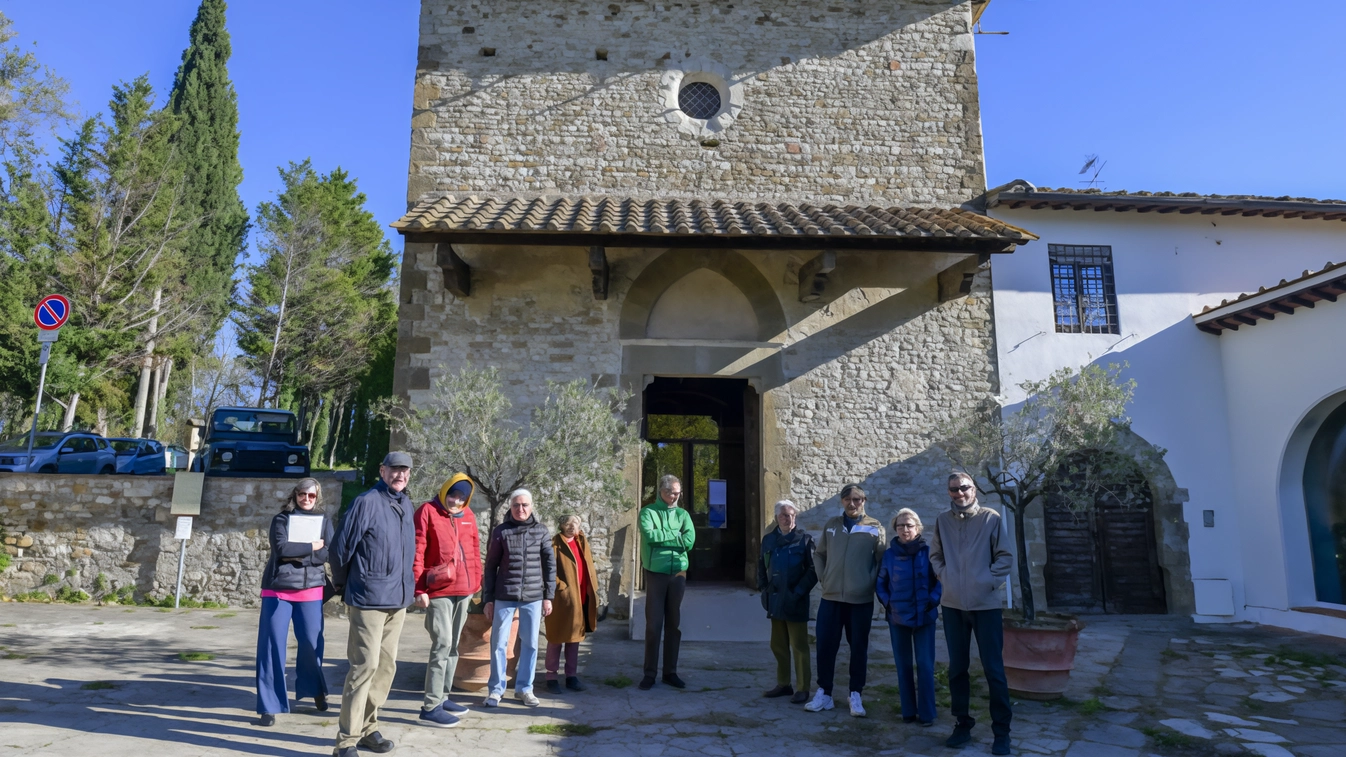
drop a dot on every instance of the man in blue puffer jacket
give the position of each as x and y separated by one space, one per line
908 589
785 575
372 558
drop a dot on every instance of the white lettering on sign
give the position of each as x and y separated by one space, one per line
184 527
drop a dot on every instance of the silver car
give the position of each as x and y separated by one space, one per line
58 452
139 457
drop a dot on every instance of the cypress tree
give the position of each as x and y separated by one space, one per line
204 101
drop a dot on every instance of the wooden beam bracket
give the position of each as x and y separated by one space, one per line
457 274
598 266
813 275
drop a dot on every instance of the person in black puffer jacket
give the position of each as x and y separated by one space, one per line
785 575
520 574
292 588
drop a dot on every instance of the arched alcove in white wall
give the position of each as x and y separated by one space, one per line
702 305
1302 589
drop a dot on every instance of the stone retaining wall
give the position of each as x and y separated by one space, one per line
76 528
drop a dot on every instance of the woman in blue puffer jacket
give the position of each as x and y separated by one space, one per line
909 591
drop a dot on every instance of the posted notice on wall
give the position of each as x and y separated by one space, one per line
184 529
305 528
718 499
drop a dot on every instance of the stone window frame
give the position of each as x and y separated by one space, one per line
711 72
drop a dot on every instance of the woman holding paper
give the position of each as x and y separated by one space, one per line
292 589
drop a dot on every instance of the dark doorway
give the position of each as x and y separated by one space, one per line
700 432
1106 559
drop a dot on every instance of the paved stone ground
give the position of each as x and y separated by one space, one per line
109 682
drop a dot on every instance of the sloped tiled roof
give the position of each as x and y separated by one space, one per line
1327 283
700 219
1022 194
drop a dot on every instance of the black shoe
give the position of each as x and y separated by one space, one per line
375 743
960 736
646 683
266 720
553 686
908 718
573 683
672 680
780 691
349 751
1001 745
320 702
800 697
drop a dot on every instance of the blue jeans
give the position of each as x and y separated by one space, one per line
273 632
959 628
918 693
834 620
530 621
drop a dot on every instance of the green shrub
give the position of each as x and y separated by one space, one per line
33 596
617 681
5 559
67 594
50 578
71 572
100 583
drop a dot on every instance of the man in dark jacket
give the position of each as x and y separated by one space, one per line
785 575
372 557
520 575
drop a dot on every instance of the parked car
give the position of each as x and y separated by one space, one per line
176 457
252 441
58 452
139 457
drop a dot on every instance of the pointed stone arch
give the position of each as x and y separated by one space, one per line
733 268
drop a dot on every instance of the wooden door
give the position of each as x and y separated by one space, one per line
1105 560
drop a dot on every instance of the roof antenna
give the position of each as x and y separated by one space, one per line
1091 164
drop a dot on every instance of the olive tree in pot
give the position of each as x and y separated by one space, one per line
570 453
1063 442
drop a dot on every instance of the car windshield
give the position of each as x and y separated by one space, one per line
254 422
124 446
45 440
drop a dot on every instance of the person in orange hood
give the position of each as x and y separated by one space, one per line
448 573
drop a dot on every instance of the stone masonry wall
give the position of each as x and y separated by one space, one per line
120 527
843 100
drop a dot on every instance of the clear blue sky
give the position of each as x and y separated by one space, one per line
1228 97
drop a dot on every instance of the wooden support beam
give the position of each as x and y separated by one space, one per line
598 266
1324 293
1303 302
1225 323
1244 319
1281 308
1210 328
457 274
813 275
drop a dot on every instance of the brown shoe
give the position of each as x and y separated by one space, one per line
783 690
800 697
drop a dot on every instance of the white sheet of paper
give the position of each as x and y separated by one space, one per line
307 528
184 527
718 492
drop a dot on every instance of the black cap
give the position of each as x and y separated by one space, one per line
397 460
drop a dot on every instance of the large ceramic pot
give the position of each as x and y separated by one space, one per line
474 653
1039 657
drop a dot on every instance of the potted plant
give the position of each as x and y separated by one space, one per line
1065 442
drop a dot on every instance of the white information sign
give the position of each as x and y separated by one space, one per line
184 527
305 528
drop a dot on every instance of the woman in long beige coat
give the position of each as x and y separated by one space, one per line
575 608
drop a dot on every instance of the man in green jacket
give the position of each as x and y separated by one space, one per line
666 537
847 561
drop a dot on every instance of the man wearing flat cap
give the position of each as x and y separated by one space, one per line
372 559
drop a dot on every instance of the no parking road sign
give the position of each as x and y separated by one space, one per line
51 312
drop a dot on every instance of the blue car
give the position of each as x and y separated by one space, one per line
58 452
140 457
253 441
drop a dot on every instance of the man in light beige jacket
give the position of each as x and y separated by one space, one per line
969 553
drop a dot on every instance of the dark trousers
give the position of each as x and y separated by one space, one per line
918 691
273 632
663 612
959 628
834 618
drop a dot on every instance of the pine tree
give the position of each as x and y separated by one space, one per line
206 106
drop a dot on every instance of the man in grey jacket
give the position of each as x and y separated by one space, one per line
968 552
372 556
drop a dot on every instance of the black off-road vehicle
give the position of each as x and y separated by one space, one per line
253 441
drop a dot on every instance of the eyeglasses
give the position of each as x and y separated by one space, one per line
307 495
905 526
854 499
962 488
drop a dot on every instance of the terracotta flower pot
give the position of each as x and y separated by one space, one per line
474 653
1038 658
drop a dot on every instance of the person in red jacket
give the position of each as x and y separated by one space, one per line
448 573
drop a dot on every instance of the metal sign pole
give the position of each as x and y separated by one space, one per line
41 386
182 559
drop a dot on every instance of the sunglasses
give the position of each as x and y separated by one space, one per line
962 488
307 495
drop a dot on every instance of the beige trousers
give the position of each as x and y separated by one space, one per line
371 650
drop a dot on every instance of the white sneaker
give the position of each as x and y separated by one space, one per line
527 698
857 709
820 702
492 700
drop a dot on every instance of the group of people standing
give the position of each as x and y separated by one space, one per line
387 555
958 567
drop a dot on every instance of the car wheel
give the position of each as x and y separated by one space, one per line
107 470
47 469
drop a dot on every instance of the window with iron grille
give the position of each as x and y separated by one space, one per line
1083 292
